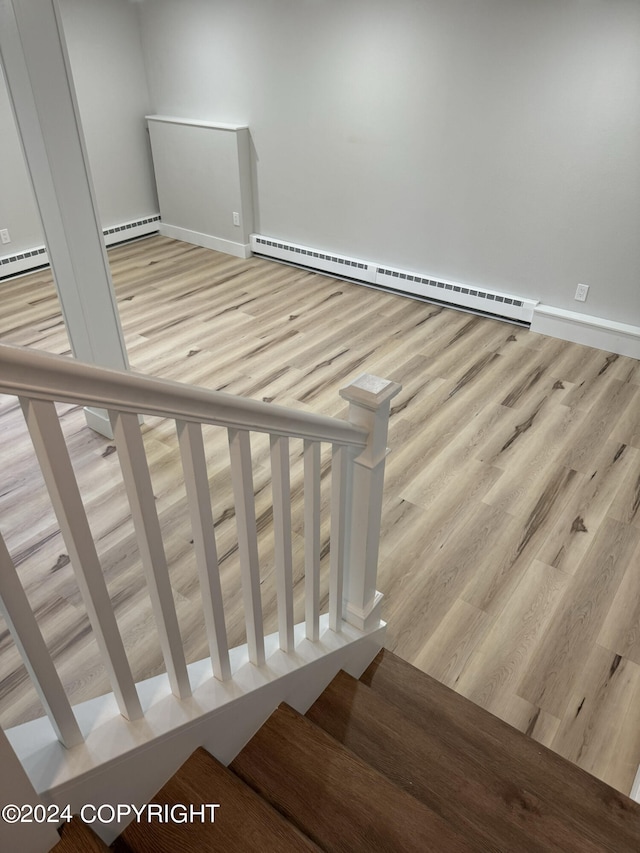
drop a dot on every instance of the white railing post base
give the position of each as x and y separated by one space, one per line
369 406
98 420
364 620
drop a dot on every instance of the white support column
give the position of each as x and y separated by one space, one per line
16 789
36 66
369 403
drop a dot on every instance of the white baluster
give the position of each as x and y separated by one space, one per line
194 466
242 479
312 539
369 403
282 534
55 464
28 639
137 481
339 523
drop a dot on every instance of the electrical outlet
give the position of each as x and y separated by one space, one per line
236 219
581 292
4 235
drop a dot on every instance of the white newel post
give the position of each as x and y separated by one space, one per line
16 790
369 403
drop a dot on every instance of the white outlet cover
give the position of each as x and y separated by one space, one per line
581 292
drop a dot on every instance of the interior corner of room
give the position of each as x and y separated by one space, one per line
386 144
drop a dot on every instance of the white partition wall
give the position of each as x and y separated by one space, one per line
203 175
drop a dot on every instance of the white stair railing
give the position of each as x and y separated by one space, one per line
358 455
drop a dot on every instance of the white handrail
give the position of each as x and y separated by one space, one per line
43 376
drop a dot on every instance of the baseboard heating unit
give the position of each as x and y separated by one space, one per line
490 302
37 257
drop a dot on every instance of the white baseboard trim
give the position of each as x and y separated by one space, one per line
30 259
608 335
208 241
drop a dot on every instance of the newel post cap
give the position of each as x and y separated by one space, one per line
370 391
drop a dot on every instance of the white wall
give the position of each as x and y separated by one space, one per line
103 39
18 211
496 142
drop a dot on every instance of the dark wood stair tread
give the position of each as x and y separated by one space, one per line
334 797
523 773
244 822
395 761
77 837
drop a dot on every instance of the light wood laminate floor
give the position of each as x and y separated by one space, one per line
510 551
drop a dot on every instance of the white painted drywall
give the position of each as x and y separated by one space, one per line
18 211
493 142
103 40
105 51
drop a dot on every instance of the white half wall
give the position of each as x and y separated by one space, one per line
203 178
487 141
